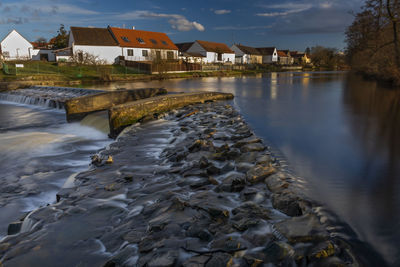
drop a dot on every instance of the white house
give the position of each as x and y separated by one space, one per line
269 54
15 47
189 57
246 54
98 42
213 52
137 45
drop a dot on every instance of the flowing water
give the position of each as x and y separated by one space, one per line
39 151
339 132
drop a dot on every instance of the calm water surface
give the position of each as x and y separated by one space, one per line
338 132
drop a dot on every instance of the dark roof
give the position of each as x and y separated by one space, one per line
215 47
93 36
142 39
248 50
192 54
183 47
266 50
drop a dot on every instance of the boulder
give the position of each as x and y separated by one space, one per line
259 172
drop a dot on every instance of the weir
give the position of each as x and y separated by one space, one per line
51 97
125 107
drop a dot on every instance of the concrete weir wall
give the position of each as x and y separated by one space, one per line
127 114
78 107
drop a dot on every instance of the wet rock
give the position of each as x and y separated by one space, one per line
203 163
277 251
243 166
134 236
149 243
123 258
233 183
246 141
330 262
259 240
220 259
199 232
287 203
264 160
14 228
162 259
109 160
212 170
249 215
226 244
252 147
259 172
201 145
249 157
196 261
227 167
306 228
277 182
322 250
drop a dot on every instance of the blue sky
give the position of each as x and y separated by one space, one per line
286 24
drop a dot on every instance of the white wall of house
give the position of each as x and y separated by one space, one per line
211 57
271 58
14 46
107 53
36 54
138 54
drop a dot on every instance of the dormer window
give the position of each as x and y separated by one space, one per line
125 39
140 40
164 42
153 41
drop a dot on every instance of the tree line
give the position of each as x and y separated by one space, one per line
373 41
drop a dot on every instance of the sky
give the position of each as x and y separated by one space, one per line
289 24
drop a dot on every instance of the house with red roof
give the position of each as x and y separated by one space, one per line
137 45
212 52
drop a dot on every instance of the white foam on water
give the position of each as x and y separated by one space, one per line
135 211
42 199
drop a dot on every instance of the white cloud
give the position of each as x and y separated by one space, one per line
178 22
288 8
222 11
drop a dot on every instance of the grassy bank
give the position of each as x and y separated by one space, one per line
37 72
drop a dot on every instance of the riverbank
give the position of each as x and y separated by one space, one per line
86 75
196 188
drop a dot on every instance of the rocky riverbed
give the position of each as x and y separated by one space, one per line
196 188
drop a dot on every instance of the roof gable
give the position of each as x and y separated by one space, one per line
142 39
15 31
93 36
266 51
248 50
215 47
184 47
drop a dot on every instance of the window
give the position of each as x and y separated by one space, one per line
140 40
145 53
6 54
219 57
164 42
125 39
80 56
153 41
170 55
130 52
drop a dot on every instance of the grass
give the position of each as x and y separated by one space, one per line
49 71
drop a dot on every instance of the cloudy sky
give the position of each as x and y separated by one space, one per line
288 24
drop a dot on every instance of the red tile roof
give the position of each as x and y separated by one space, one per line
215 47
142 39
282 54
248 50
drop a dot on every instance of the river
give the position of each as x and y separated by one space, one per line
341 134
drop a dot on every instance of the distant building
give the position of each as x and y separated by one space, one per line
43 51
15 47
269 54
98 42
246 54
301 58
212 52
139 45
284 57
190 57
